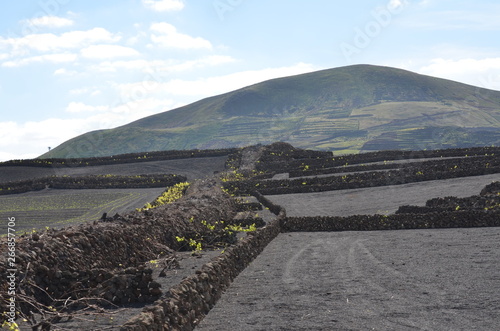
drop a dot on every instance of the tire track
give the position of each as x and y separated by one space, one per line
385 283
346 281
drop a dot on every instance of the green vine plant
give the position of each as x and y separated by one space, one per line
171 195
232 176
195 245
12 326
213 235
239 228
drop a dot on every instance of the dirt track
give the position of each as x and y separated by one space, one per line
393 280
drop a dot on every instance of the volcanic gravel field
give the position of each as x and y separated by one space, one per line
435 279
443 279
378 200
62 207
58 208
191 168
425 279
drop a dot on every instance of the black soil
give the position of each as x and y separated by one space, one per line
190 167
383 280
380 280
378 200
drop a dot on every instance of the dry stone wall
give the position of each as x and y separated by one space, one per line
87 257
426 171
106 258
120 159
90 182
491 189
186 303
434 220
288 159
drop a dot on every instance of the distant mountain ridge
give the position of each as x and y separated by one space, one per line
347 109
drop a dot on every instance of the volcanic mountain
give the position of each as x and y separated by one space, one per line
348 109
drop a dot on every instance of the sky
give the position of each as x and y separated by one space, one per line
72 66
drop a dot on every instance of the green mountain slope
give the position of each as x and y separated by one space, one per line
347 109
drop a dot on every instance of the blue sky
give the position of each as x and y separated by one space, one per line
71 66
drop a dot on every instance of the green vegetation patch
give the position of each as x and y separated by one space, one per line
171 195
309 111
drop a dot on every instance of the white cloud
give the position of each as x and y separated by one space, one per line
163 66
163 5
167 36
138 65
479 72
395 4
226 83
80 107
54 58
108 51
92 91
6 156
65 72
49 42
205 87
49 21
79 91
208 61
31 139
131 41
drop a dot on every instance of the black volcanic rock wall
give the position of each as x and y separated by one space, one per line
86 256
91 182
193 298
294 160
106 258
493 188
425 171
188 302
488 200
433 220
120 159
